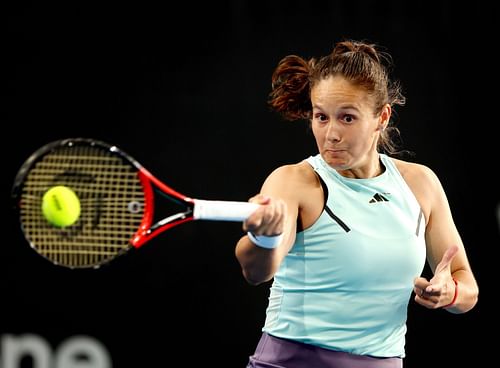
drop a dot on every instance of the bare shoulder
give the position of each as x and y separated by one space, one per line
415 173
300 187
292 181
423 182
299 173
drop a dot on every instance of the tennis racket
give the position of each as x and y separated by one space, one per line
117 199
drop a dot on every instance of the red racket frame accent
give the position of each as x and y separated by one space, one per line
144 233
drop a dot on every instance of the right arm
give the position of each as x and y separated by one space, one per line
279 200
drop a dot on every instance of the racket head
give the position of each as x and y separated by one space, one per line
113 201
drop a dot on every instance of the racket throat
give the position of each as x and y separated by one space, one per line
168 222
174 219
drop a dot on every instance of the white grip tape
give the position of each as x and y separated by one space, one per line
222 210
268 242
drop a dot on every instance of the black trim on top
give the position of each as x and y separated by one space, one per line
328 210
337 220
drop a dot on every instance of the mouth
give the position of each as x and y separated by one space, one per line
334 150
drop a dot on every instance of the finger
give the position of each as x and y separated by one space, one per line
447 258
273 219
430 302
418 291
254 221
276 225
267 220
422 295
421 283
260 199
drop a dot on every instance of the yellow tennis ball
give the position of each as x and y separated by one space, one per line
61 206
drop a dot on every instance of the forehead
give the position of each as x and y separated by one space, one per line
339 90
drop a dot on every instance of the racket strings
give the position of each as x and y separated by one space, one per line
111 198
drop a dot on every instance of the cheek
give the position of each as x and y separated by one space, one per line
366 140
319 135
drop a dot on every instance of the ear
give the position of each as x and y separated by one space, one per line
384 117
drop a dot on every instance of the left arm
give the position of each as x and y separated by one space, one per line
453 280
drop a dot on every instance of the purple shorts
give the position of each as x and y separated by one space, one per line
274 352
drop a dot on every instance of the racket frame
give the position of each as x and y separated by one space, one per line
195 209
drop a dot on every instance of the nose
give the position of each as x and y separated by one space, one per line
333 132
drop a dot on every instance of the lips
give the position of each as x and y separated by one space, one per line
334 150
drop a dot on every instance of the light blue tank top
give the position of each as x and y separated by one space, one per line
346 282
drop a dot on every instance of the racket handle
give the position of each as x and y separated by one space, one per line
222 210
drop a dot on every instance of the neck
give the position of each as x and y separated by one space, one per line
371 168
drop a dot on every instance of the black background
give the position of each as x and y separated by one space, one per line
183 89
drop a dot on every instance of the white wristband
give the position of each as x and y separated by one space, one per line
268 242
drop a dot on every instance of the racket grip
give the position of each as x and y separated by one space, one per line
222 210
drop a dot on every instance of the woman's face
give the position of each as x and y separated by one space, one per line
345 125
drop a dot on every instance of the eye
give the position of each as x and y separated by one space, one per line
322 118
348 118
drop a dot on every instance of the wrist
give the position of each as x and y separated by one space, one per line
263 241
453 301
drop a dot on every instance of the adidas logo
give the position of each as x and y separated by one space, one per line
379 198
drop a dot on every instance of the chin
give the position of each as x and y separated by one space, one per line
338 164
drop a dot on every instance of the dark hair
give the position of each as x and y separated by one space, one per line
361 63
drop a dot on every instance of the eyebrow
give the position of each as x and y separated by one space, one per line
345 107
